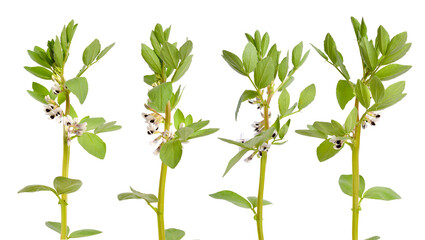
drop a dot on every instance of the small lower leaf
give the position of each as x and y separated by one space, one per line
64 185
381 193
171 153
37 188
346 184
374 238
326 150
232 197
254 201
56 226
84 233
174 234
235 160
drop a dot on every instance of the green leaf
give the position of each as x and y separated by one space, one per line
392 71
197 125
38 88
320 52
37 188
381 193
307 96
397 43
393 94
250 38
235 159
150 198
368 53
93 123
363 93
170 55
35 56
184 133
64 185
91 52
382 40
283 101
249 57
240 144
132 195
188 120
374 238
160 95
284 129
178 118
328 128
58 55
174 234
72 112
390 58
312 133
84 233
232 197
151 59
182 69
296 54
330 48
104 51
185 49
283 69
234 62
175 98
257 38
37 96
171 153
93 144
260 138
338 129
203 132
107 127
264 72
56 226
304 58
265 43
326 150
246 95
150 79
377 89
254 201
344 93
79 87
40 72
351 121
346 184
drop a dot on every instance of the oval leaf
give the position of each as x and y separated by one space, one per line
232 197
174 234
64 185
392 71
246 95
234 62
326 150
346 184
307 96
151 59
171 153
249 57
381 193
93 144
344 93
170 55
264 72
91 51
79 87
84 233
40 72
363 93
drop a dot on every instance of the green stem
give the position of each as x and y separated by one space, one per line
161 190
65 173
259 216
356 176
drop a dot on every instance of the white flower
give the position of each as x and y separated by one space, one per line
157 150
48 108
56 89
249 158
152 128
338 142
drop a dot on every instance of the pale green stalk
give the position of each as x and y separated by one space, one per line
356 176
65 173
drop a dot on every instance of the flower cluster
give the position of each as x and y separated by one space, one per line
53 110
370 118
263 148
338 142
153 120
73 128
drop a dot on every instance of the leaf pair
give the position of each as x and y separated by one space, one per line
56 226
238 200
62 185
379 193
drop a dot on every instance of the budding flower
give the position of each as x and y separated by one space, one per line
249 158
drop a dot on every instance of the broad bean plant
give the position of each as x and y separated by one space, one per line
264 62
168 63
370 98
55 96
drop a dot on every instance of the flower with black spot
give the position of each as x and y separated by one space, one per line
338 142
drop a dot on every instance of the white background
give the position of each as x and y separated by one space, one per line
308 203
